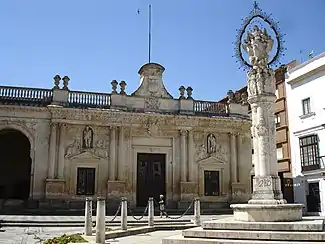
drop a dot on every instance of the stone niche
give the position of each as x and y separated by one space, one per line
87 148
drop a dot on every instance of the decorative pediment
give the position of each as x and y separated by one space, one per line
152 85
85 155
211 160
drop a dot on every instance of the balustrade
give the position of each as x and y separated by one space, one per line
89 99
11 93
209 107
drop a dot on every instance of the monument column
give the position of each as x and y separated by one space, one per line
112 152
233 157
121 152
183 156
52 152
61 151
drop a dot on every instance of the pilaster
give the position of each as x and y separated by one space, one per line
61 151
52 151
121 152
112 152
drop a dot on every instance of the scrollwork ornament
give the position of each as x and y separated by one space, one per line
258 42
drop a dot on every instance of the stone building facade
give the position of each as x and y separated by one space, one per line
63 144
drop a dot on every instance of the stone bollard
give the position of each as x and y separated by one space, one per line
100 220
151 212
197 212
124 214
88 217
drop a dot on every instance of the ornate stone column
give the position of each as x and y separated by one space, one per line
190 157
121 152
112 152
61 151
183 156
233 157
52 151
267 203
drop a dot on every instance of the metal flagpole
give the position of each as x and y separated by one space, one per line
149 46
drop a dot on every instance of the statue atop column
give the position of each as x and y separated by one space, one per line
258 45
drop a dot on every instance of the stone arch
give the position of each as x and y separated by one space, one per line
17 150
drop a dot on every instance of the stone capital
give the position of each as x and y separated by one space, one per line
183 132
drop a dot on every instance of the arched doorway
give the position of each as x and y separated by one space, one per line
15 165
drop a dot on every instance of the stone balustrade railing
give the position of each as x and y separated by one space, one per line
25 95
89 99
210 107
80 99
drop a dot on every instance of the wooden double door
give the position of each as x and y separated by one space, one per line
151 177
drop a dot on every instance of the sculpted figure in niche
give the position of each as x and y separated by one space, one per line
212 144
88 135
73 149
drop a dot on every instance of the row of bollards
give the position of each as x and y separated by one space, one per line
101 215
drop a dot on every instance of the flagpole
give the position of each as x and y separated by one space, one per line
149 46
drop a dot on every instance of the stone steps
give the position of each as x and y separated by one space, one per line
254 235
179 239
230 231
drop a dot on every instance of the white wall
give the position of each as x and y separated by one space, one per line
306 80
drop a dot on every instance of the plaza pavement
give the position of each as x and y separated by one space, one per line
34 235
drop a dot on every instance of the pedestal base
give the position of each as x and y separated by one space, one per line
267 190
188 191
54 188
238 193
267 212
115 189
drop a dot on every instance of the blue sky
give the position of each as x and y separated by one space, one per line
94 42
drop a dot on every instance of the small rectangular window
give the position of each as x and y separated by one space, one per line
279 152
85 181
211 183
306 106
277 120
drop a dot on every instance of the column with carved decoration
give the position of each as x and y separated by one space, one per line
121 152
61 151
52 151
112 152
183 156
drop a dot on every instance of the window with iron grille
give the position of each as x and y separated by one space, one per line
306 106
211 183
85 181
309 152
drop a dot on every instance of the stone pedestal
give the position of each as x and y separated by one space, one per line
54 188
238 193
115 191
188 191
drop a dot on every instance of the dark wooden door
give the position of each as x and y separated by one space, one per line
313 198
151 171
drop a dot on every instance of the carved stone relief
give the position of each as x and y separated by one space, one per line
152 103
82 139
208 146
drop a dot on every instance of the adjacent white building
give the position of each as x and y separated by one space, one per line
305 85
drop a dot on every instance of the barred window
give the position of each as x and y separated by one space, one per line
309 152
